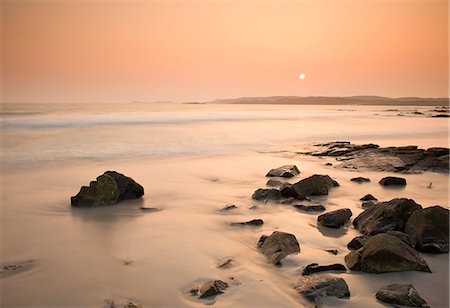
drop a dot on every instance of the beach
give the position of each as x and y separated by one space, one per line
193 160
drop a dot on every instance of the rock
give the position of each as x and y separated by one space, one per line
315 185
315 288
357 242
276 182
225 262
287 171
8 269
436 152
149 209
401 294
309 208
335 219
254 222
211 288
278 245
109 189
383 253
316 268
369 204
328 164
368 197
429 228
228 207
266 194
386 216
287 191
405 238
360 180
392 181
332 251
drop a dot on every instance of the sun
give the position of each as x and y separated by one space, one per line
301 76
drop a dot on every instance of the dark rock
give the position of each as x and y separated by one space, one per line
309 208
436 152
401 294
286 191
254 222
328 164
357 242
332 251
109 189
315 185
275 182
211 288
149 209
287 171
316 268
405 238
440 116
278 245
368 197
335 219
225 262
386 216
266 194
360 180
384 253
228 207
318 287
392 181
369 204
429 228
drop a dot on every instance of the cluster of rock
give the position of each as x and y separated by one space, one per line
109 188
408 159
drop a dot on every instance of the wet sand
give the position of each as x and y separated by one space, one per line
84 256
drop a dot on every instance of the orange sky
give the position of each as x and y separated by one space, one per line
71 51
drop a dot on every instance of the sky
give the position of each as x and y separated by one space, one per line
120 51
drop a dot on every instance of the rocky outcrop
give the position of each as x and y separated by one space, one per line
315 288
109 189
386 216
384 253
429 228
335 219
401 294
392 181
278 245
408 159
286 171
314 185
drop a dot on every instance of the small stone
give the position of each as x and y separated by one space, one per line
309 208
328 164
401 294
275 182
360 180
316 268
392 181
315 288
332 251
278 245
335 219
266 194
253 222
212 287
225 262
368 197
286 171
228 207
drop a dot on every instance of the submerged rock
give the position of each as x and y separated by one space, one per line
392 181
384 253
8 269
368 197
309 208
360 180
315 185
109 189
316 268
254 222
275 182
429 228
386 216
286 171
278 245
211 288
266 194
335 219
228 207
315 288
401 294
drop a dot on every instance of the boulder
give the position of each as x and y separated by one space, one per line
315 288
386 216
429 229
266 194
315 185
383 253
335 219
211 288
309 208
108 189
316 268
392 181
401 294
360 180
368 197
278 245
286 171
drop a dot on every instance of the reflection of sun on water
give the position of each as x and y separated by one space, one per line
301 76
